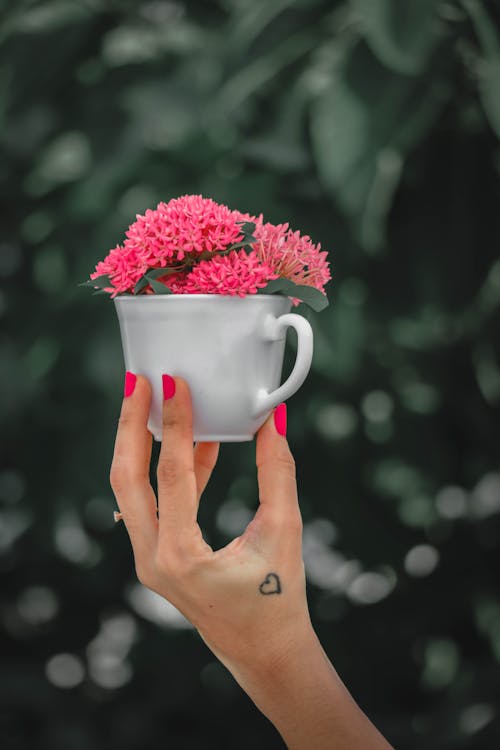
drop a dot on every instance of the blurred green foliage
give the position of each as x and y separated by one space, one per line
372 126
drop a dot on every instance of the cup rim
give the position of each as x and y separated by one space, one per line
197 296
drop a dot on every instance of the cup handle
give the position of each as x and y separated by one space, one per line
272 330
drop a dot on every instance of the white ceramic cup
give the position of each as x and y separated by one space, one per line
229 349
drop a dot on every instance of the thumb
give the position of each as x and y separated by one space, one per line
276 471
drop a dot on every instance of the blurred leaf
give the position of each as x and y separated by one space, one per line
362 125
401 34
489 67
251 20
257 73
67 158
489 89
47 16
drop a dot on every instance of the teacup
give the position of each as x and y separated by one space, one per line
229 349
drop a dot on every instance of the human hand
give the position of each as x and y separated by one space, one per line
248 599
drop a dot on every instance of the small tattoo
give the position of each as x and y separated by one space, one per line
271 584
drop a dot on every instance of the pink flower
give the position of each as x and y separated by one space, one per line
190 232
238 273
183 227
289 254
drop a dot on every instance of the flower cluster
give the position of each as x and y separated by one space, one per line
238 273
197 240
289 254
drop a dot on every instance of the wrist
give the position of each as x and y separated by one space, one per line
270 663
300 692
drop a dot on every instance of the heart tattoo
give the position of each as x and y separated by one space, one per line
271 584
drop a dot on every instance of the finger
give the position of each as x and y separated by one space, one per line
177 488
276 475
205 458
129 475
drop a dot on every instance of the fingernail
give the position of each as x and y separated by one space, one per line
168 386
130 381
280 418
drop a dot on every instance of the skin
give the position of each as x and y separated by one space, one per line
247 600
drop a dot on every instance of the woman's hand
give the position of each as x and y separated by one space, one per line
248 599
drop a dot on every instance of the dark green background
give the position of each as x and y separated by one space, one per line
372 126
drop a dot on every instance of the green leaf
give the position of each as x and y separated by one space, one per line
244 243
155 273
308 294
157 286
100 281
401 34
247 227
143 281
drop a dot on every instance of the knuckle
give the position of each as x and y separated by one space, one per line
125 419
167 471
174 564
116 478
287 522
122 479
173 420
286 463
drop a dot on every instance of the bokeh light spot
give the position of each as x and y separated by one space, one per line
37 605
154 607
233 516
377 406
67 158
485 498
421 560
441 663
65 670
476 717
369 588
451 502
336 421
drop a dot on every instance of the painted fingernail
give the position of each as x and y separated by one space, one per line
130 381
280 418
168 386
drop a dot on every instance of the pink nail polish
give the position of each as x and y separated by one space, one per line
130 381
168 386
280 418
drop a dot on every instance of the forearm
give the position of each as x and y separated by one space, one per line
305 699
